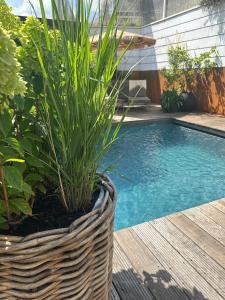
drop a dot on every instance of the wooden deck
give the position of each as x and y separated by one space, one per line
181 256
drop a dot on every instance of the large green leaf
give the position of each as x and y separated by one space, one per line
33 177
15 160
26 144
20 205
18 101
13 177
34 162
41 188
14 143
7 152
5 123
29 103
26 188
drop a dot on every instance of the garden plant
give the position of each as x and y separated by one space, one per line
65 105
184 69
56 125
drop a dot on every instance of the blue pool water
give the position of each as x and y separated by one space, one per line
168 168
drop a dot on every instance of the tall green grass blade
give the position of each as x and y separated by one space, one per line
77 108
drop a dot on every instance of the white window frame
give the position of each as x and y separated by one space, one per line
164 17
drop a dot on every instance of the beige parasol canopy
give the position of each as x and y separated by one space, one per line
136 41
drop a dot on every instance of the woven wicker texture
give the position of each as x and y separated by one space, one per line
70 263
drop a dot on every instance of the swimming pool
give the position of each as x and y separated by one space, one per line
168 168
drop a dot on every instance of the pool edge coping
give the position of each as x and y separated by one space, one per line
202 128
176 120
172 214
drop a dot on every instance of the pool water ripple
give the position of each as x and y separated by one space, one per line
170 168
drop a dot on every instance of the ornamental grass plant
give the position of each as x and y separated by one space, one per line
77 108
55 130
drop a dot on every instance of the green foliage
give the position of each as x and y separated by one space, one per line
61 128
18 131
11 82
205 62
171 101
9 21
20 178
210 3
31 31
184 68
77 115
22 166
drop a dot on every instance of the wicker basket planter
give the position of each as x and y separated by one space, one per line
69 263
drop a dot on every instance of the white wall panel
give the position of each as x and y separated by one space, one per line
198 29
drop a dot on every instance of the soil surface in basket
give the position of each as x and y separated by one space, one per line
48 214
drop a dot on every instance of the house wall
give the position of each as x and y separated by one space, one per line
198 29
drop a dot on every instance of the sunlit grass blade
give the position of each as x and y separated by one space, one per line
78 108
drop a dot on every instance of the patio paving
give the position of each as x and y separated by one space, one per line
214 124
152 113
210 123
181 256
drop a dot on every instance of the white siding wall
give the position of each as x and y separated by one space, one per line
198 29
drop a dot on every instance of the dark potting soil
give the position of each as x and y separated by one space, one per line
48 214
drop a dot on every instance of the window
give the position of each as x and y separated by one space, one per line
152 10
175 6
143 12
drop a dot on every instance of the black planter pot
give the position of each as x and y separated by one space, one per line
189 102
173 108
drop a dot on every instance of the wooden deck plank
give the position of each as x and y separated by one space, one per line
127 282
152 273
193 284
181 256
206 223
115 295
213 213
204 240
195 256
220 205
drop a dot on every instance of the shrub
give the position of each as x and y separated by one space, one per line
9 21
11 82
66 134
19 177
183 68
31 33
171 101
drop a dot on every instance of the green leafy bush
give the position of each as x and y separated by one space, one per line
31 32
22 171
11 82
171 101
183 68
60 130
9 21
19 155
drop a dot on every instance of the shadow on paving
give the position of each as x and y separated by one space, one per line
159 286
